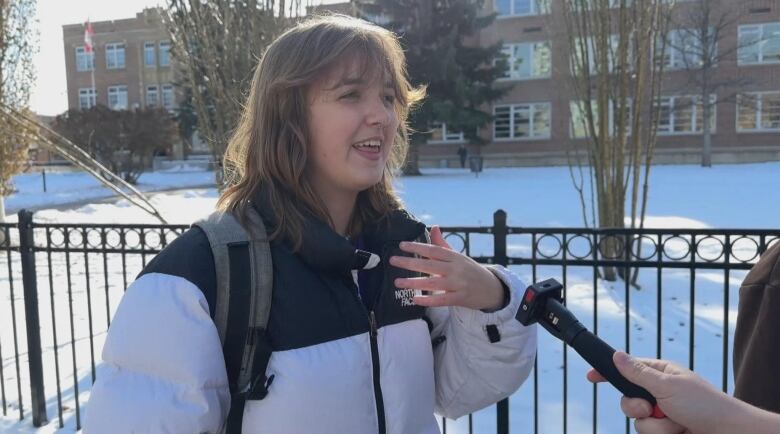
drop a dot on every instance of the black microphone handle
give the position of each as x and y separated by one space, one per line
599 355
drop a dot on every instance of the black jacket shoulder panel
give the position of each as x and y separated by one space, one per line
189 257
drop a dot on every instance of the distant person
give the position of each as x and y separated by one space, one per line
693 404
351 348
463 153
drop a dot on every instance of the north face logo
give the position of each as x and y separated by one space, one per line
406 296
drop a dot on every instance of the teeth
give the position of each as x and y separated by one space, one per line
369 144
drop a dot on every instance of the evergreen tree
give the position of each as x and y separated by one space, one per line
443 54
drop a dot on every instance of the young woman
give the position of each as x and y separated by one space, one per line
354 350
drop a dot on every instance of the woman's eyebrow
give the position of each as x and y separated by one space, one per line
348 81
359 81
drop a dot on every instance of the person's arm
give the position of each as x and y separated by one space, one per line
756 353
163 367
482 353
689 402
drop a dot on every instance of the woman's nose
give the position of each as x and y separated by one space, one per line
379 114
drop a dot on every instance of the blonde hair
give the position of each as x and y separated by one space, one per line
269 148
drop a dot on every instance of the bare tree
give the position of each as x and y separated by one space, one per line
216 45
613 44
18 42
697 46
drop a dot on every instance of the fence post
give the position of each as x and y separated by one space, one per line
500 232
33 324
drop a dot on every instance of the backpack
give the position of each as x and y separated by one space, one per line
243 305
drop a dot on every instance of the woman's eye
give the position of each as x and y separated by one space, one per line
390 99
351 95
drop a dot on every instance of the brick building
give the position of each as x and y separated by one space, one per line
533 122
131 64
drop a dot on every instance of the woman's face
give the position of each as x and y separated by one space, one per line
353 123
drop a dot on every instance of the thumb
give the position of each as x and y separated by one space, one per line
438 239
638 372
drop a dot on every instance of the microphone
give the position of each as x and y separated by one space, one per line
543 303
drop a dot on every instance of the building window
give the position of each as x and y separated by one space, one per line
522 121
84 61
167 97
758 111
522 7
527 60
684 48
152 97
579 127
115 56
117 97
759 43
165 53
150 60
442 134
87 98
588 44
683 115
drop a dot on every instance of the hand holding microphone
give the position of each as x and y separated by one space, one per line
653 388
543 303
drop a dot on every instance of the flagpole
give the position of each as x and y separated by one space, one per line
88 32
94 89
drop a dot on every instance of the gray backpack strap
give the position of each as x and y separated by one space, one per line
222 230
243 302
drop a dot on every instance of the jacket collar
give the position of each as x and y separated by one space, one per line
327 251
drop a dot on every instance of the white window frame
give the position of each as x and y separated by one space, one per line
152 92
84 61
696 128
614 42
166 59
448 136
762 42
167 88
88 95
112 55
508 50
538 7
116 92
575 105
675 59
759 98
150 53
532 108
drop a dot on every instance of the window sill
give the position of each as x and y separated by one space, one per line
521 139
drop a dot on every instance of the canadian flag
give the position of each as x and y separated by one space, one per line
88 32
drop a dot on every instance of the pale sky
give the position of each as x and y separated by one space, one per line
49 97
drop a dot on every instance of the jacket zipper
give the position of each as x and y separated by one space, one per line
380 405
378 398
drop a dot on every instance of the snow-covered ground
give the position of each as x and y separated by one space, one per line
66 187
738 196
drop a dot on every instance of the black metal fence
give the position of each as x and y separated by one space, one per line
61 283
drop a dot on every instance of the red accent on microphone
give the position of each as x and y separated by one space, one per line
657 412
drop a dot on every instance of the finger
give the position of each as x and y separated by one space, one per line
658 365
427 283
636 408
594 377
428 250
638 372
435 300
420 265
658 426
438 239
